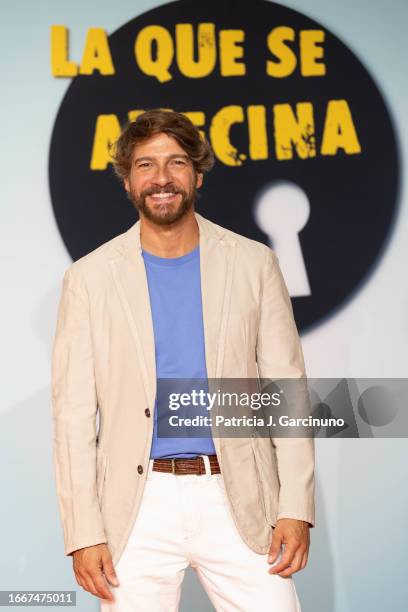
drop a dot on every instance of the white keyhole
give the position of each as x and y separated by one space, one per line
281 211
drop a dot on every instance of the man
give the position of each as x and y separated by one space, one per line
176 296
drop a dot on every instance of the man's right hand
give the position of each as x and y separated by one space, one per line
91 566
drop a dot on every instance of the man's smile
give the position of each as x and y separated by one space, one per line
163 198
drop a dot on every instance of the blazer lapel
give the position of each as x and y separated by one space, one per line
131 282
216 264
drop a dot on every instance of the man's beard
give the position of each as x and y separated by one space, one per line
174 211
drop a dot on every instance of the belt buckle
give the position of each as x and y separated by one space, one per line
173 466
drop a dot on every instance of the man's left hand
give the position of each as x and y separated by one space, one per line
294 534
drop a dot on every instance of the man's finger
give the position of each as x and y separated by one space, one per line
81 579
109 570
88 584
294 565
304 560
275 547
102 589
78 579
287 557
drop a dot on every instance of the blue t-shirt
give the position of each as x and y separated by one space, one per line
175 300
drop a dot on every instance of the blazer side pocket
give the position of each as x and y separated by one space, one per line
258 480
266 496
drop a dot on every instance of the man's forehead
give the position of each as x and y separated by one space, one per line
159 145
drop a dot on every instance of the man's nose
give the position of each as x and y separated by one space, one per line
162 176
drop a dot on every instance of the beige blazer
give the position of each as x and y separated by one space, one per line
104 360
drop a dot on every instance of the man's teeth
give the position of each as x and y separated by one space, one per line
162 195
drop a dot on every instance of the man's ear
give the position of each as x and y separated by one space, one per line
199 180
126 183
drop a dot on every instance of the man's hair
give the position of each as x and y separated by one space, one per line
156 121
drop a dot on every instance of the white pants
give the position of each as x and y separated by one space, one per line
185 520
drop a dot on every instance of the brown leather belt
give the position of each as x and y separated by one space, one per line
186 466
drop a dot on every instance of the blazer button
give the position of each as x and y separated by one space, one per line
140 469
147 412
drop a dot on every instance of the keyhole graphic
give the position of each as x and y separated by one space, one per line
281 211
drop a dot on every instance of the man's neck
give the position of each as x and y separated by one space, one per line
172 240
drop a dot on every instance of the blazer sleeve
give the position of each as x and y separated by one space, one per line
280 356
74 406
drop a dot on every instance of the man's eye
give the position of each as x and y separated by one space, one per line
143 165
179 162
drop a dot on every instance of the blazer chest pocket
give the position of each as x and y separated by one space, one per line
101 474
